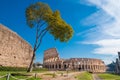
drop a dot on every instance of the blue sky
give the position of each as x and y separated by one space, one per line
95 24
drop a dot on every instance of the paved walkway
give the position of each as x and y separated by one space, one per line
95 77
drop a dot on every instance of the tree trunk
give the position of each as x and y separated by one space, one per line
36 47
31 63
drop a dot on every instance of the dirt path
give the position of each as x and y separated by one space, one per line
95 77
70 76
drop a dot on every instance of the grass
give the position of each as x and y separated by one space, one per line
21 69
17 76
21 77
108 76
84 76
6 70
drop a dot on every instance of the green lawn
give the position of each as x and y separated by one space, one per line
3 73
21 78
6 70
107 76
84 76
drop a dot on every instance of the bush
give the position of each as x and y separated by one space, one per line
20 69
12 69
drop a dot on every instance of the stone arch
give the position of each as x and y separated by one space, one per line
65 66
59 66
53 66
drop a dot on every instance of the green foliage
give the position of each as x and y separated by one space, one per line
21 69
55 25
59 28
36 13
84 76
12 69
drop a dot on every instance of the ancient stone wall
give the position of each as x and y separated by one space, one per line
14 51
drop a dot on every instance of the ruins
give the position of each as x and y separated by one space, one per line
117 66
14 51
52 61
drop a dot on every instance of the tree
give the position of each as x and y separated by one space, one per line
40 16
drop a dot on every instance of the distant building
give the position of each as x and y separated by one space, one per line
118 64
52 61
14 51
37 65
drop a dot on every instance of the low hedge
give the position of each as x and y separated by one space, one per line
20 69
12 69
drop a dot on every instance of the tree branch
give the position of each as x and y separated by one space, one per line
41 25
41 32
37 33
41 37
36 37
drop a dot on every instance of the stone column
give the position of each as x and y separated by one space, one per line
58 66
93 68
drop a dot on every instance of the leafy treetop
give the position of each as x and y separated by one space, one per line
41 15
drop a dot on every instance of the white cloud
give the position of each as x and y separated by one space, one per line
109 59
108 46
106 26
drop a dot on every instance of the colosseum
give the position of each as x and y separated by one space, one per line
52 61
14 51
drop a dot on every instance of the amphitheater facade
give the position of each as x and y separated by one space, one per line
14 51
52 61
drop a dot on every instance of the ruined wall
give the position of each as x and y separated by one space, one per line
52 60
14 51
51 55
